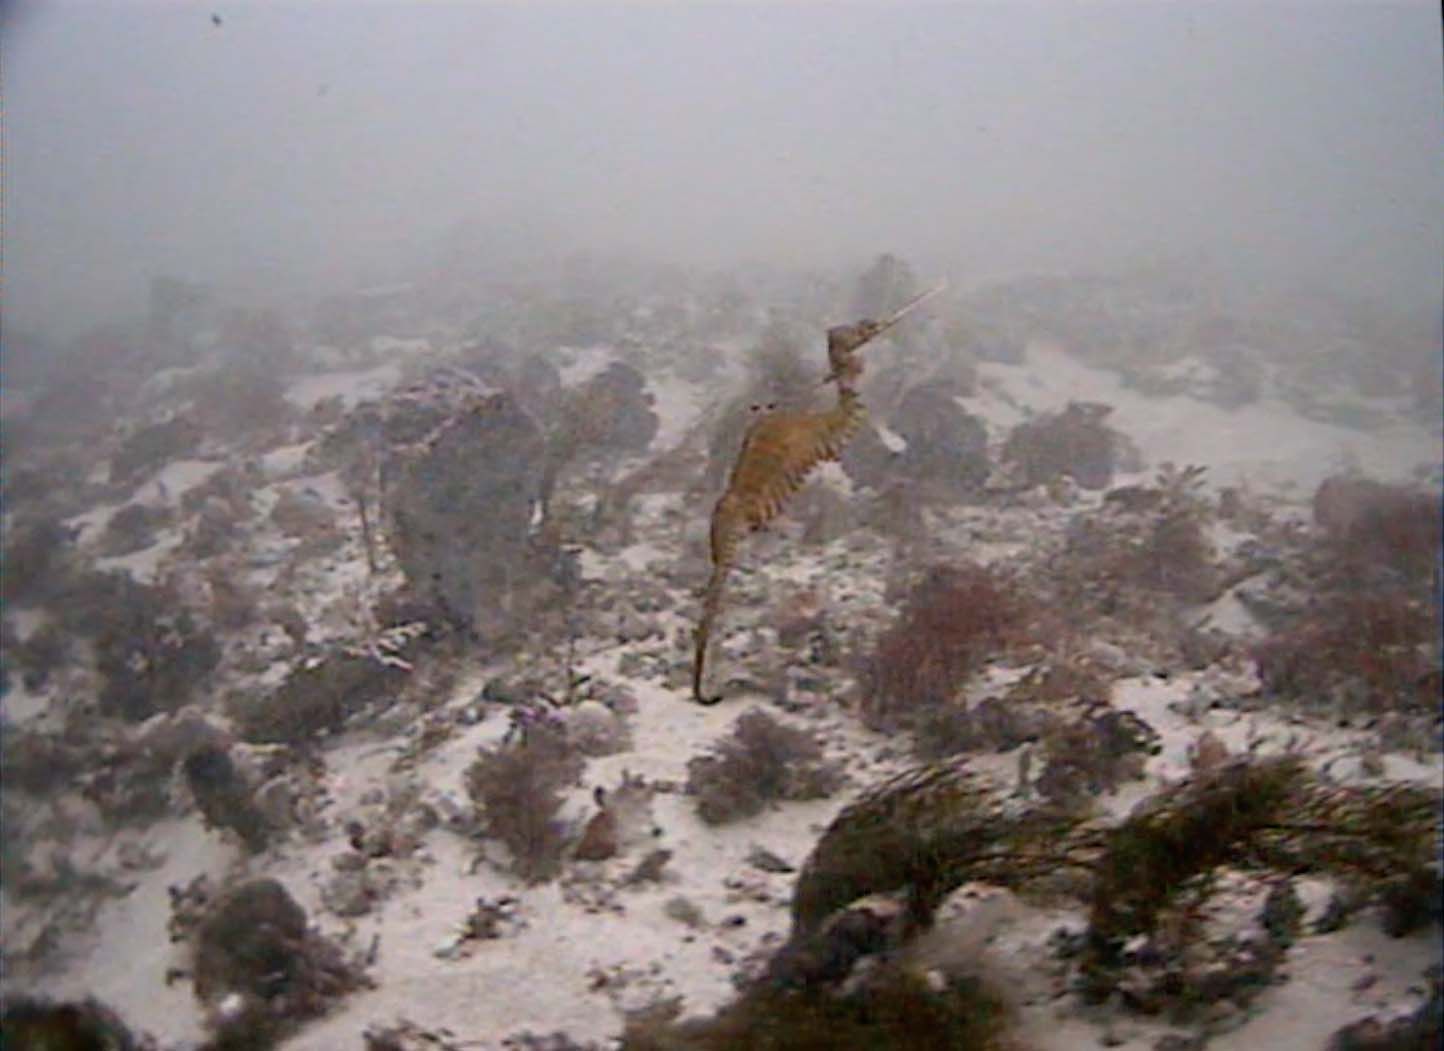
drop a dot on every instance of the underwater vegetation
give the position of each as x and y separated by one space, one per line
517 787
927 831
952 622
762 761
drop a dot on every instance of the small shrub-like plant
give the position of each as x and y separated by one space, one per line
255 947
152 651
132 528
150 448
894 1008
1075 442
41 1024
1270 813
954 620
1376 643
317 698
35 560
517 788
1371 526
762 761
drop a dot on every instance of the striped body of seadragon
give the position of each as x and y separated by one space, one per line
778 452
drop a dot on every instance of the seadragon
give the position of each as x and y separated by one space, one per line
779 450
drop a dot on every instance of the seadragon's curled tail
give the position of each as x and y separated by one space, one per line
778 452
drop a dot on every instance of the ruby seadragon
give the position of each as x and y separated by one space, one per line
779 451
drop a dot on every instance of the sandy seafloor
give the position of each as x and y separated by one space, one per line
544 975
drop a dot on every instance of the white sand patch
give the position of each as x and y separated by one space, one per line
1264 443
395 346
89 525
894 441
20 706
585 363
174 480
285 460
831 475
1227 614
326 487
1164 705
24 622
1190 369
350 387
144 565
539 978
615 568
131 953
1322 994
678 405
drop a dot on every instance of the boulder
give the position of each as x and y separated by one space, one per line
947 446
1075 442
460 497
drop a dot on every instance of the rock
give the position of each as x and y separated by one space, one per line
1418 1031
318 697
152 447
867 460
461 497
632 627
764 859
1074 442
947 447
632 665
649 869
224 797
276 800
1181 1042
685 912
176 734
348 893
260 970
349 861
1207 753
618 399
618 699
599 838
298 513
29 1024
595 729
133 528
459 817
450 946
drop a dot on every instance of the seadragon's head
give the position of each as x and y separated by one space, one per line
843 343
